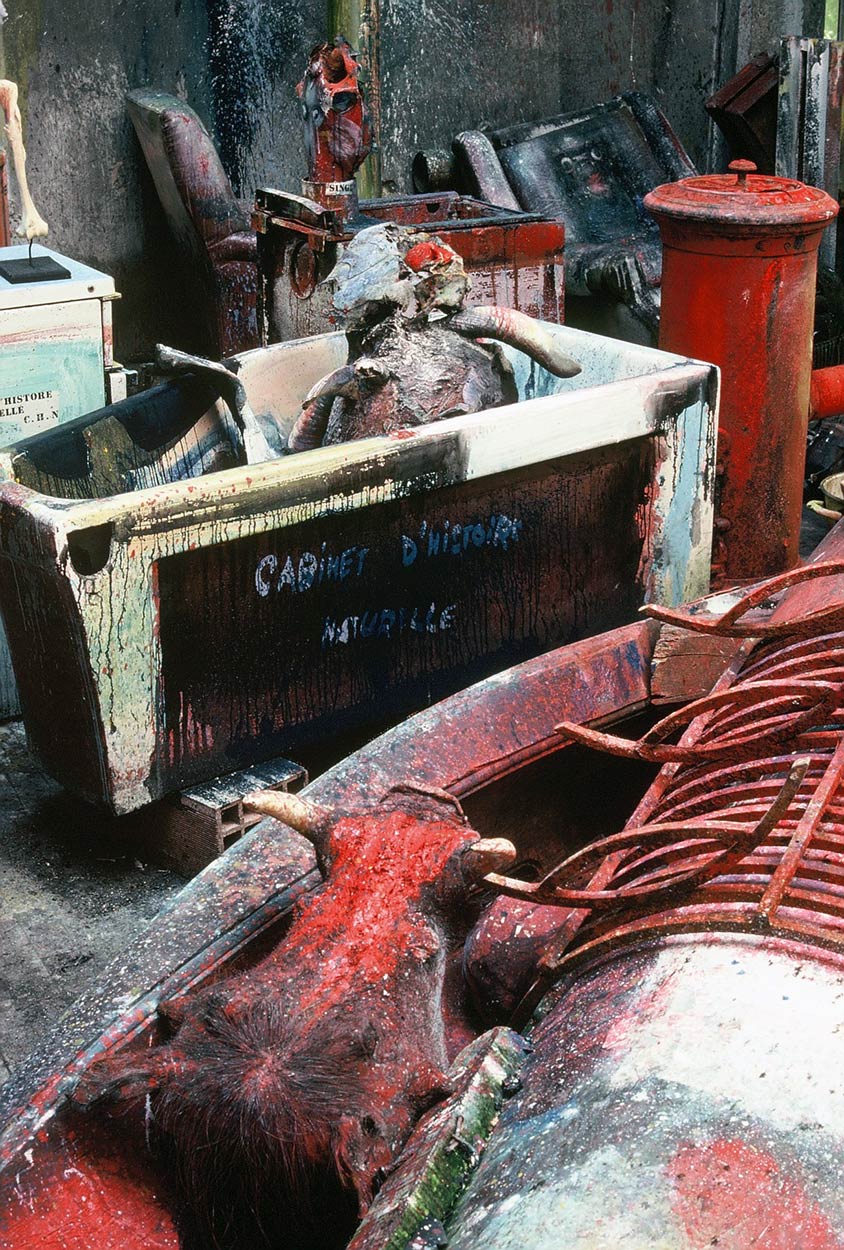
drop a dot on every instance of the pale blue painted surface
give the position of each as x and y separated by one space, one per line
73 369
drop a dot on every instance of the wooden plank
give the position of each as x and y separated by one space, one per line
815 81
789 116
831 245
686 665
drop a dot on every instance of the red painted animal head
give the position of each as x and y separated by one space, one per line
286 1089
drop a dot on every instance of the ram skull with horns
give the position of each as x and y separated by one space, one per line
414 350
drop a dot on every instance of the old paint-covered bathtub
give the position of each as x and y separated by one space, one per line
193 628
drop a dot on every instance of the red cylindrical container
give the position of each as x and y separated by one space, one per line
738 289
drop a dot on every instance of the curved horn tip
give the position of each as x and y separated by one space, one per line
341 381
487 855
567 366
291 809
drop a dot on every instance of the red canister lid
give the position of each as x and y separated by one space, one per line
743 201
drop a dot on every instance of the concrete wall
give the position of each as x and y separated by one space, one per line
446 65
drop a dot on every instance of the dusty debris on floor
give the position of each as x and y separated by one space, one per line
73 897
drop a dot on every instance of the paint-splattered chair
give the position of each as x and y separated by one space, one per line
210 225
593 169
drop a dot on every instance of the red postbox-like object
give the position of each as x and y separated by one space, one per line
738 289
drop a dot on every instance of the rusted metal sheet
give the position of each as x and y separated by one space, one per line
744 240
207 624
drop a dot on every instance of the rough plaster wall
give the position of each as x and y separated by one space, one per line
452 65
531 59
446 65
235 61
74 63
766 24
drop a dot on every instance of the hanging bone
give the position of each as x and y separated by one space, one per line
288 1088
414 351
32 224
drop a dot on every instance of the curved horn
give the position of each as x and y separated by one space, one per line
300 814
311 424
347 380
342 381
518 330
486 855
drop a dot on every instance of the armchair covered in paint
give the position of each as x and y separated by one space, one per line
593 169
211 226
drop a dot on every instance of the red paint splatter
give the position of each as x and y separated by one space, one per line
368 920
82 1198
734 1196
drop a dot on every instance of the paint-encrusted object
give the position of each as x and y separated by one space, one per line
738 288
210 227
446 1146
672 1098
55 351
591 170
414 354
193 628
290 1087
338 135
503 724
515 259
217 918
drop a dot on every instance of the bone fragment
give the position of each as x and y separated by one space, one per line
32 224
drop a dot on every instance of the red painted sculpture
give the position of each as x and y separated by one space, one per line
286 1091
338 136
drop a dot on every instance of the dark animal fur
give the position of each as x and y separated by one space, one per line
280 1097
250 1127
256 1121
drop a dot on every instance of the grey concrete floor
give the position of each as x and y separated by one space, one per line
73 893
